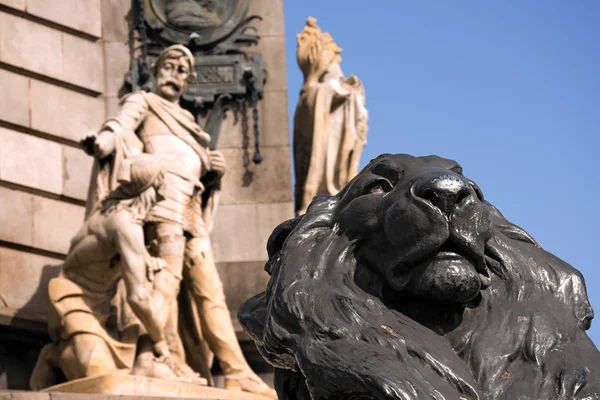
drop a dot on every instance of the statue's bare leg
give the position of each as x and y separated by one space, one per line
207 288
168 243
86 355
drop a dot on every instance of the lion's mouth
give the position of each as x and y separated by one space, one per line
453 274
451 253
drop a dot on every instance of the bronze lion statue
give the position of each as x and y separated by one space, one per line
409 285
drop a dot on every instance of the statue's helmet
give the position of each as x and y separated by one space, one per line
139 173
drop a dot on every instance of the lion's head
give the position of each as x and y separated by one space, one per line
407 284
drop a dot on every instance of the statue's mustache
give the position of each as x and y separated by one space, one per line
172 83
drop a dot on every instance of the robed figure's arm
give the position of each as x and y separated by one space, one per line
115 142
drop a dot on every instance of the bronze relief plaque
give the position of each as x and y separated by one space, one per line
207 21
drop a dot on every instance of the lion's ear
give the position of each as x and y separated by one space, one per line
280 234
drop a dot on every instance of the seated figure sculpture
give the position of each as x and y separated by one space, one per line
109 247
409 285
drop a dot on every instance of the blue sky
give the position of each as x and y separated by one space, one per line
511 90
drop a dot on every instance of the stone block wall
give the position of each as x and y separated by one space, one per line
61 67
51 86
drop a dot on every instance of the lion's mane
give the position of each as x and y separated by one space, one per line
527 335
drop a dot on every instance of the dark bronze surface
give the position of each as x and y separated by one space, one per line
210 20
408 284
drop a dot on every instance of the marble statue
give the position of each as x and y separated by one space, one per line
330 123
176 227
408 284
109 247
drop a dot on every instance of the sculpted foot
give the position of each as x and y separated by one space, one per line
147 365
251 383
187 374
151 367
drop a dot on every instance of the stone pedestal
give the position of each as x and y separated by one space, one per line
129 385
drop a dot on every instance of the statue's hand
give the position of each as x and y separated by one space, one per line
104 144
88 143
353 80
153 266
217 162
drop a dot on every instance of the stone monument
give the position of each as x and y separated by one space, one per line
330 124
177 227
61 68
408 284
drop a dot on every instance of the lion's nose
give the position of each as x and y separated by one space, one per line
444 189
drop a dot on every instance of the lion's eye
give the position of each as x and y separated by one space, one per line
458 169
377 189
477 190
380 186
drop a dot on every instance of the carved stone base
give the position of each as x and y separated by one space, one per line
131 385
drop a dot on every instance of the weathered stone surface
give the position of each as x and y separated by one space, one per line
246 182
273 123
272 13
252 224
17 4
14 98
83 63
114 20
140 387
30 45
77 167
132 388
117 64
55 223
111 105
241 281
15 395
83 16
16 217
32 272
272 49
73 117
30 161
31 220
46 51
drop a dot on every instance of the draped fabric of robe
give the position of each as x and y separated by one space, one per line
77 310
